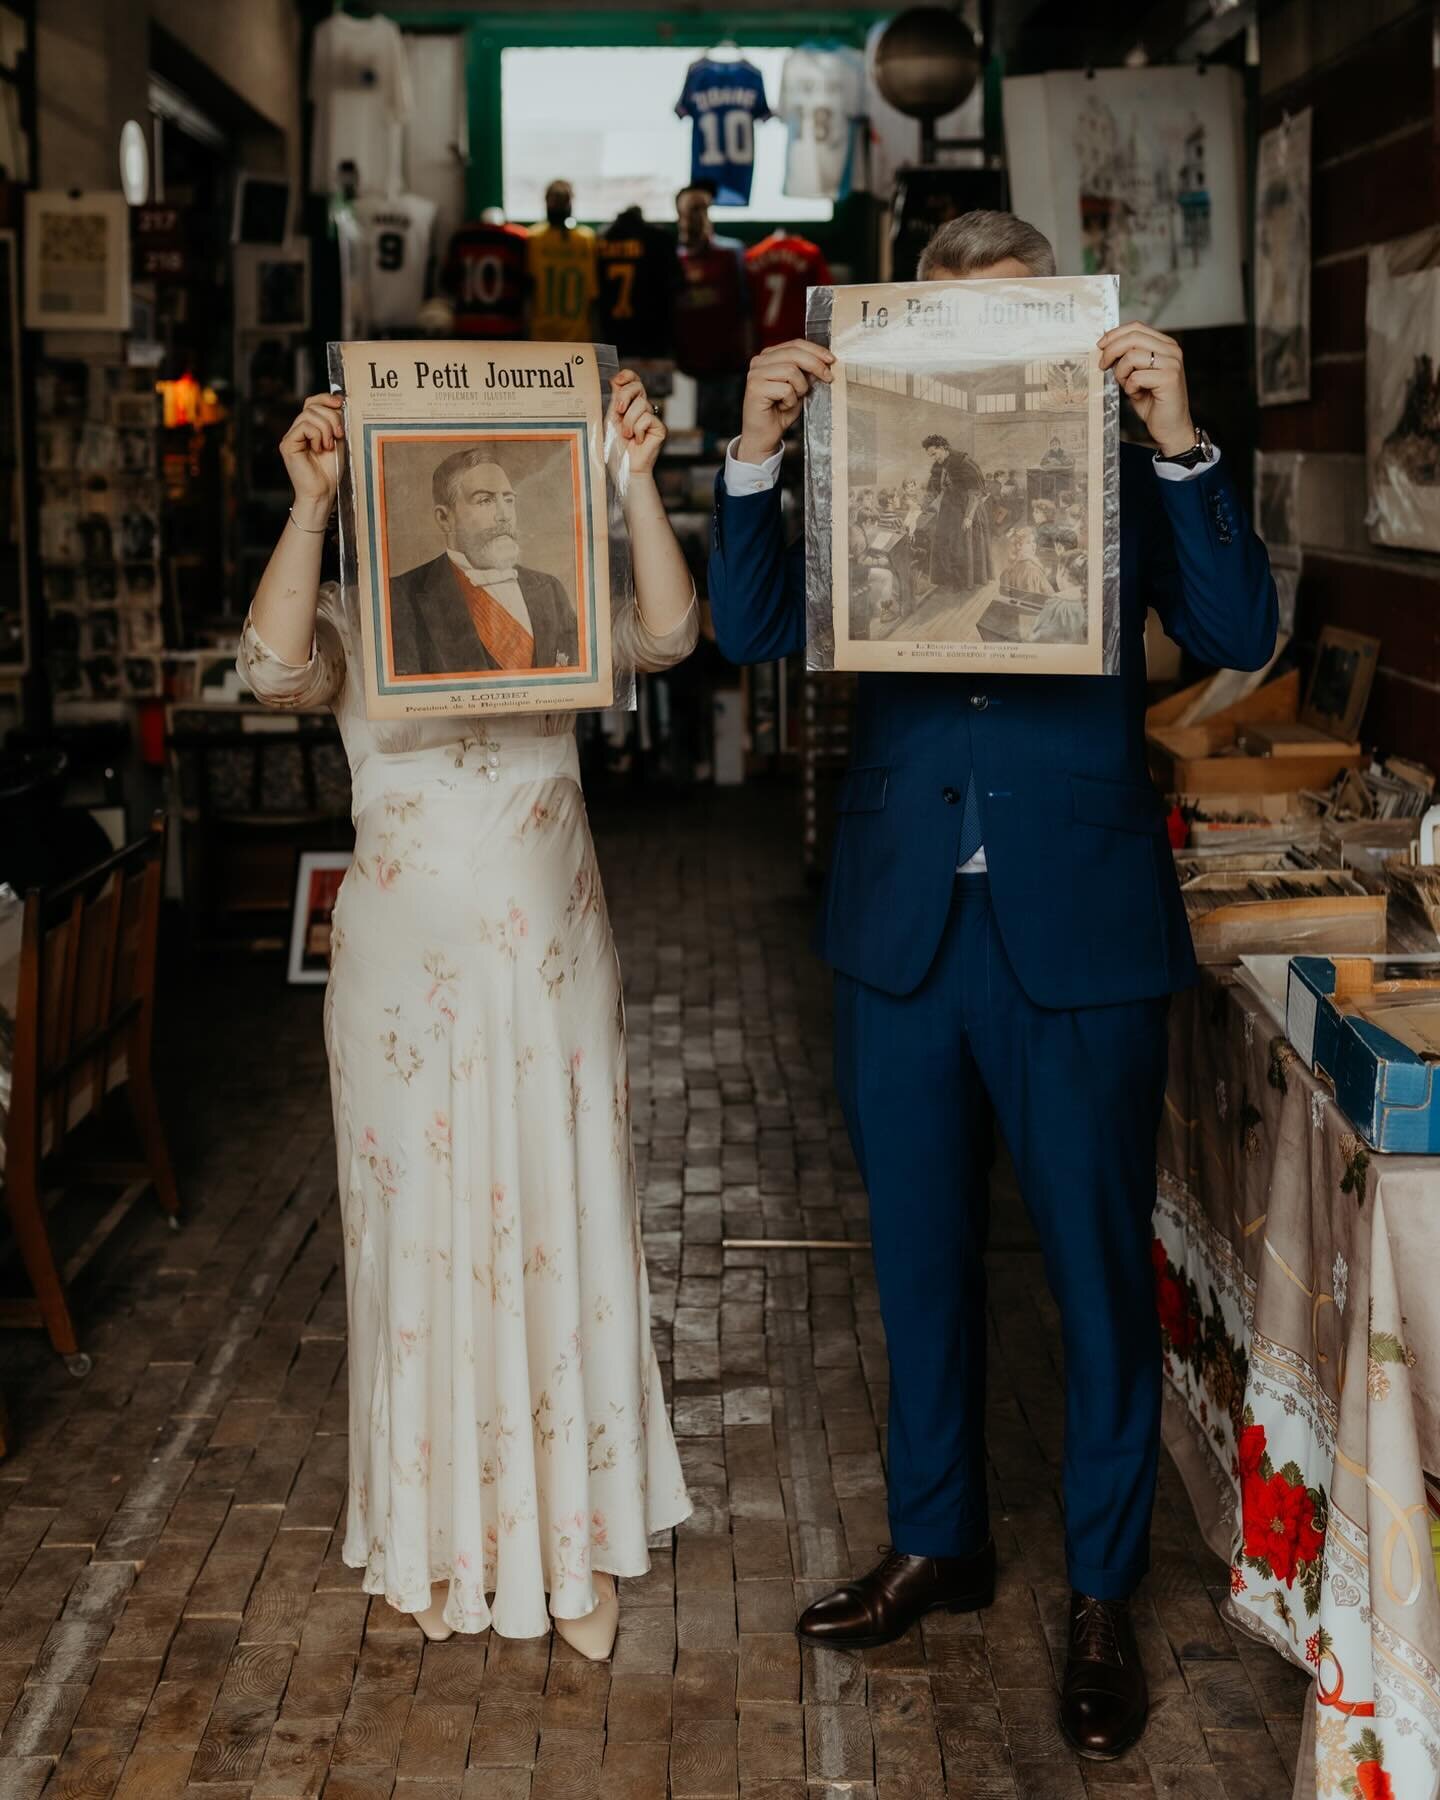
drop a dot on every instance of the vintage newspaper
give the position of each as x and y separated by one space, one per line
474 525
962 477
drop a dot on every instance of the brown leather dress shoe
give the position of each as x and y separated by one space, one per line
883 1605
1104 1700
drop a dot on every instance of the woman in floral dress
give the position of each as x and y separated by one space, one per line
508 1433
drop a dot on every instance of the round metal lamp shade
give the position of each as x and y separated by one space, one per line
927 62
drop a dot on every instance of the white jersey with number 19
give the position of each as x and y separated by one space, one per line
395 255
822 98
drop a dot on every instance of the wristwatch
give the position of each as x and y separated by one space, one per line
1202 451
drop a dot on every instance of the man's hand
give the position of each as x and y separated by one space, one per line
775 390
1150 367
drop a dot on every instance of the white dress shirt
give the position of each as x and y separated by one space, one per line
502 584
743 478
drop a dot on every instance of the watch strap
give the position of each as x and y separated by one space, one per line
1201 451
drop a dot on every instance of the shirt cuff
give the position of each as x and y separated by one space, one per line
743 478
1173 471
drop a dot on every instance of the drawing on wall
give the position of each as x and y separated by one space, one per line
1282 263
1277 505
1402 386
1136 173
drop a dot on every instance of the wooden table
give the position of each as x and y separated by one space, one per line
1298 1276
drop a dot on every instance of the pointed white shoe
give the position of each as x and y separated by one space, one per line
594 1634
431 1622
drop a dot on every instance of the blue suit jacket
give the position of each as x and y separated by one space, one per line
1081 873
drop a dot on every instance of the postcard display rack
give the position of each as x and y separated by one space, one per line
100 530
962 479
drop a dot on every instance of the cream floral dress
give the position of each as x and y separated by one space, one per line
508 1433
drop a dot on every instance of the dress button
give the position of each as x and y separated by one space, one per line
979 702
492 775
949 796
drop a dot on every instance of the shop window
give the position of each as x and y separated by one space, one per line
604 120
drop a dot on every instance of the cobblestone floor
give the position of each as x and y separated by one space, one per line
175 1616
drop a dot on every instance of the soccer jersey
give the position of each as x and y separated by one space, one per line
562 283
780 269
394 256
485 277
726 101
712 311
361 91
822 100
639 271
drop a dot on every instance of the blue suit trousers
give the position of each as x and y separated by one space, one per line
1077 1095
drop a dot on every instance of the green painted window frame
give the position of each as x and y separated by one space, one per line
844 239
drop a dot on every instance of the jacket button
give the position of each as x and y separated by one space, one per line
979 702
949 796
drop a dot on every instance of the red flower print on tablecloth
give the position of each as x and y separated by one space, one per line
1372 1783
1282 1520
1172 1302
1279 1525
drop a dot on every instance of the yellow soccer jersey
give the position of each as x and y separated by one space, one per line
562 283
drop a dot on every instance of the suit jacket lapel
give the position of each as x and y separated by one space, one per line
535 590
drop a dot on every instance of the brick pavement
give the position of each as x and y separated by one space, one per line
176 1620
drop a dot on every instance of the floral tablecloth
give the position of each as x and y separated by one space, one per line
1299 1287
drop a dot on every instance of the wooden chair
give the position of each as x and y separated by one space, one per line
84 1017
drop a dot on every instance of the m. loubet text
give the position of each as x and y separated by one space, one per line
457 375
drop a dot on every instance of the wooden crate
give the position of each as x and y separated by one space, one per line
1245 925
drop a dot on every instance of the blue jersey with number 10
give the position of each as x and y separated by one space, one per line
725 100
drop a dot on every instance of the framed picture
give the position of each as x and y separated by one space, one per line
316 885
262 210
1282 263
963 492
1340 682
272 287
476 481
77 262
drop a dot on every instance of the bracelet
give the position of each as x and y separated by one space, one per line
314 530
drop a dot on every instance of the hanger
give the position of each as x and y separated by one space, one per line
727 50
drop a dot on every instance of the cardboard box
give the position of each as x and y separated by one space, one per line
1238 923
1325 990
1202 756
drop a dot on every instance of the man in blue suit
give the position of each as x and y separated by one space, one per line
1005 927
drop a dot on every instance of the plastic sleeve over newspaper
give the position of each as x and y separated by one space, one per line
622 569
1048 367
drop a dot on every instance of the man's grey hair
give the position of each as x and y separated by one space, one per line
979 240
447 473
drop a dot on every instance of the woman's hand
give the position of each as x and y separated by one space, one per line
1151 369
640 435
307 449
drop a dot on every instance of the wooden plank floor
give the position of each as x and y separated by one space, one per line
176 1620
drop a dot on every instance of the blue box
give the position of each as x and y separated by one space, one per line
1322 990
1389 1094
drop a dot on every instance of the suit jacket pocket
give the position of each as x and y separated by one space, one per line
1117 805
862 790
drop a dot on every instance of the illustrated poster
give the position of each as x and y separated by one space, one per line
1282 263
1137 173
971 474
475 481
1402 392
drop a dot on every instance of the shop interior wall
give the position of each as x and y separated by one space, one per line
847 239
1368 71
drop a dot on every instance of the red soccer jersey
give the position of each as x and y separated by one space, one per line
712 328
781 268
485 276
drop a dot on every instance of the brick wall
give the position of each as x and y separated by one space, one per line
1368 72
